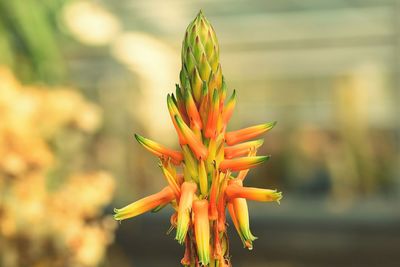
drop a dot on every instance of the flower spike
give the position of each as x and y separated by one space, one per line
200 186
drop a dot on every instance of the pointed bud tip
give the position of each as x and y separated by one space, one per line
200 14
270 125
138 138
263 158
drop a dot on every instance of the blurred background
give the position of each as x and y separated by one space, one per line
79 78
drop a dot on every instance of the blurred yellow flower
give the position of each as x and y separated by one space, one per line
66 220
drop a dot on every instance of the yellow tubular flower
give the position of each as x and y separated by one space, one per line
243 221
160 150
188 190
145 204
235 189
202 230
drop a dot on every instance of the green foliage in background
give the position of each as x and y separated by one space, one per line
29 39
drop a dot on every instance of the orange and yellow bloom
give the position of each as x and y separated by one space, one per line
205 178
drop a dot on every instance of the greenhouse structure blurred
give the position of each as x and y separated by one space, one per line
78 78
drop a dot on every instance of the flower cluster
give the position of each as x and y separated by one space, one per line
206 176
41 224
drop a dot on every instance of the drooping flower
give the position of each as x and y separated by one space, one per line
206 176
202 230
185 206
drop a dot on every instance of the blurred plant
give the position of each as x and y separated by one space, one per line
41 225
207 186
90 23
29 39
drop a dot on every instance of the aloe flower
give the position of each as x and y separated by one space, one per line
205 177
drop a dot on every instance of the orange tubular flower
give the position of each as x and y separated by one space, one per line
228 110
213 198
242 163
232 138
221 206
212 116
145 204
203 178
173 111
188 190
202 230
195 119
242 149
180 103
235 189
192 140
200 186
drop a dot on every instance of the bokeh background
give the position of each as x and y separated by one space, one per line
79 78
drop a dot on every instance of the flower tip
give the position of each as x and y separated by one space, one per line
278 196
139 138
263 158
117 217
270 125
169 99
180 238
